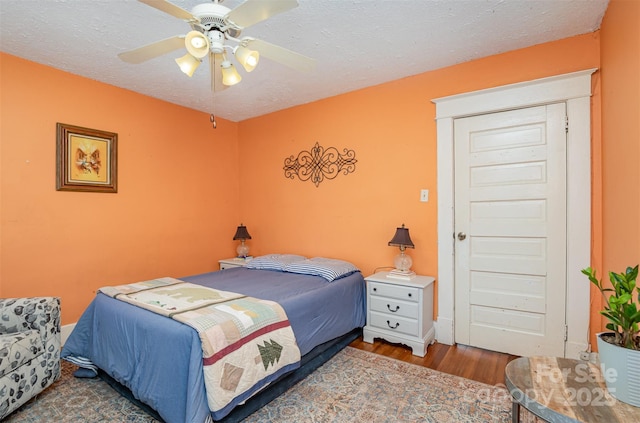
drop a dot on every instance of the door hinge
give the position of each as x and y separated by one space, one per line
566 332
566 124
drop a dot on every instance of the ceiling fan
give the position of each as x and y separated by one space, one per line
215 32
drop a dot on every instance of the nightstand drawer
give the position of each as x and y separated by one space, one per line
394 307
394 323
400 292
233 262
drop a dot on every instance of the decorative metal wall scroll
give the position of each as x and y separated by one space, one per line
320 163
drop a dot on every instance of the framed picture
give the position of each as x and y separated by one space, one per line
86 159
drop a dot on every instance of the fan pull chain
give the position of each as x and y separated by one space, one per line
212 117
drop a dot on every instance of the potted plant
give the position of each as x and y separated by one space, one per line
620 349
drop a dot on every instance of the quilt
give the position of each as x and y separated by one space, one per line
246 342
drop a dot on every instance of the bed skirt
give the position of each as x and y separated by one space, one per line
308 364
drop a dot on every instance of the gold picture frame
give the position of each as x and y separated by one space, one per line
86 159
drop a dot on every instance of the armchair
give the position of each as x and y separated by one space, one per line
29 349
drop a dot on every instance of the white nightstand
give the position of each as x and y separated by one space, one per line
400 311
234 262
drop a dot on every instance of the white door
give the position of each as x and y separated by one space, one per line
510 229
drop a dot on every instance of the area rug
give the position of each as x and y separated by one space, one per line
354 386
75 400
358 386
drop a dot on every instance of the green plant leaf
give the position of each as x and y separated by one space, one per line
632 273
622 298
621 306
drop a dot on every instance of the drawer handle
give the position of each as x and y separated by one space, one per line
392 327
409 294
375 289
393 311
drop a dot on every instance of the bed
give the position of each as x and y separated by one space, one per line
160 360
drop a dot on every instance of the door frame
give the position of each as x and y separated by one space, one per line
575 90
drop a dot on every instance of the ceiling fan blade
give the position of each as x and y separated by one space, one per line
253 11
144 53
170 8
282 55
215 60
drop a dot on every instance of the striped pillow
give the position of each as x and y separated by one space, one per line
329 269
273 261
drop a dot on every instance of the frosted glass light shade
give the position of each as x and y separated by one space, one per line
188 64
247 58
197 44
230 75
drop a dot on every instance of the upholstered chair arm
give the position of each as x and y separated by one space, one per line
36 313
28 364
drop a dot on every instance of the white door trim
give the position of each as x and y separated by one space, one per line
574 89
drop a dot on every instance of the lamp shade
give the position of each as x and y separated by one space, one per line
247 58
401 238
197 44
242 233
188 64
230 75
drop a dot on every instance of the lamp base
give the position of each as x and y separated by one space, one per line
243 250
405 275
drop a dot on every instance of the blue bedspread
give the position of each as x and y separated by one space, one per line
165 371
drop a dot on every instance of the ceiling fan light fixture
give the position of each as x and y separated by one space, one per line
197 44
212 26
188 64
216 41
230 75
247 58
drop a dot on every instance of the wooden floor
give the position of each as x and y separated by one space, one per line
472 363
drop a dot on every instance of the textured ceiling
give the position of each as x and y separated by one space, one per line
357 43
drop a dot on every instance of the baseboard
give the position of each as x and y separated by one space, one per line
65 331
573 349
444 330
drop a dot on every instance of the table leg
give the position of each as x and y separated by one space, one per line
515 411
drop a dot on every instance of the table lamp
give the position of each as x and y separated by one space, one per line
402 261
242 234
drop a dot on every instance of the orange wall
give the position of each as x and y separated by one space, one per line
179 198
392 129
177 203
620 137
621 134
